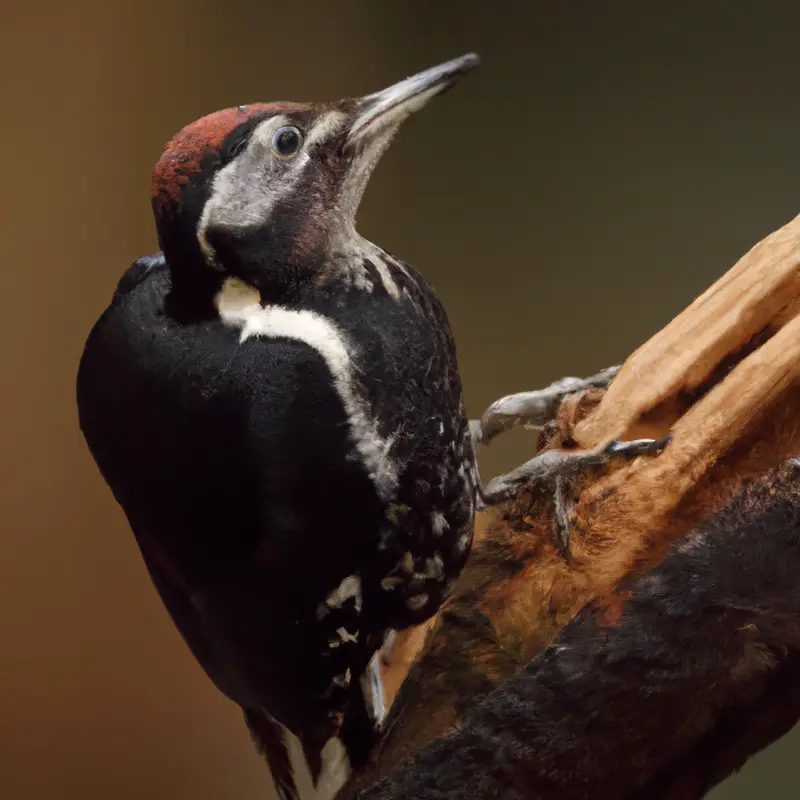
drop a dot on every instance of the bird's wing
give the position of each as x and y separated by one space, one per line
138 271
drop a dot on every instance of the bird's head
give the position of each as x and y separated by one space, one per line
262 192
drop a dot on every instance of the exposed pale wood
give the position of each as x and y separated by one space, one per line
750 297
724 378
396 663
644 493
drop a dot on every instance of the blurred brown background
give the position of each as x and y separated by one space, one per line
599 170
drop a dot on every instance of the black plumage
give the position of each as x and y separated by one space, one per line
276 405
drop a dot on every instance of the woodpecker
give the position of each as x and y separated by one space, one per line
275 403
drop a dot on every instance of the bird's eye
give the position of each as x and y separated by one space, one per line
286 141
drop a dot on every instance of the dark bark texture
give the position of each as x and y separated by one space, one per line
660 689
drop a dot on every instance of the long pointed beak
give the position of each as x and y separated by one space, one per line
386 109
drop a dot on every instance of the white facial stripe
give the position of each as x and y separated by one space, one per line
246 192
202 238
242 195
240 305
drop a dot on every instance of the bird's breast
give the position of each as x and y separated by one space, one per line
240 309
273 453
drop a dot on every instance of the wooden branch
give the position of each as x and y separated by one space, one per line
752 300
724 378
634 693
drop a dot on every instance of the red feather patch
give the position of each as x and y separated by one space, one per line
185 151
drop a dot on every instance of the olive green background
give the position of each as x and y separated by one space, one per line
605 164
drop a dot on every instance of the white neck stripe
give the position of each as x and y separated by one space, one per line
239 305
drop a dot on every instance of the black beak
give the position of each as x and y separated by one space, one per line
384 111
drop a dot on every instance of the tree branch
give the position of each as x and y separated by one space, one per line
634 686
665 650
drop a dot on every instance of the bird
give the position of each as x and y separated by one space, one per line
275 404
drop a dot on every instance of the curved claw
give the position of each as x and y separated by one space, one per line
634 448
553 464
535 408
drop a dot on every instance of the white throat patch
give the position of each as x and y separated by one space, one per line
239 305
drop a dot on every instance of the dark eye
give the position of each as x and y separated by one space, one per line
287 141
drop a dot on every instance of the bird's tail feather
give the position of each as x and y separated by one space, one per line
270 740
302 767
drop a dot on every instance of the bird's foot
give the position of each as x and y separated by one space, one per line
533 409
558 468
554 465
530 409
